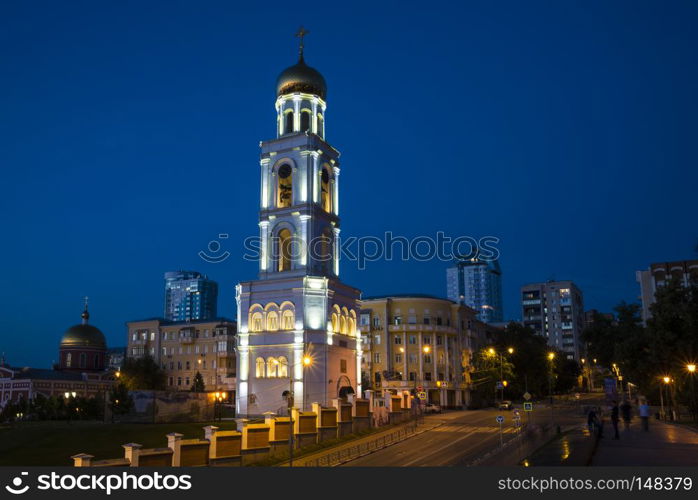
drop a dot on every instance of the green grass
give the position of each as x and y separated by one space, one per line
53 442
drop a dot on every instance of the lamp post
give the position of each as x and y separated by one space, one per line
502 382
666 380
551 358
306 361
691 367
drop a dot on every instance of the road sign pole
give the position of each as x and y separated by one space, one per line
501 436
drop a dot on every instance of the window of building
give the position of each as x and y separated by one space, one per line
377 339
305 120
398 339
376 321
427 376
288 320
179 381
413 339
398 358
413 376
69 359
439 340
272 367
427 320
187 381
397 320
83 360
260 373
272 321
288 122
376 357
427 359
426 339
284 252
282 367
284 195
170 381
342 366
364 319
413 358
188 366
326 195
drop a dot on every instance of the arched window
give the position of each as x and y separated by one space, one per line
325 194
342 324
287 320
256 322
272 321
320 125
83 360
284 253
260 367
272 366
305 120
288 122
96 361
351 326
68 360
284 188
335 323
282 367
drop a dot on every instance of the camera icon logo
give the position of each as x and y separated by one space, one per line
214 247
16 487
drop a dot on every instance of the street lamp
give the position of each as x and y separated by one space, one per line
691 367
551 358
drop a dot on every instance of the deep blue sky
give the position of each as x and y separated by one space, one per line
129 140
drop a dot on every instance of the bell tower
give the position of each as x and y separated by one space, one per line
297 310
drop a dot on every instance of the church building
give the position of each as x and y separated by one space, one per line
298 341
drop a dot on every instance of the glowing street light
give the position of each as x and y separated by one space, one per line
426 349
551 356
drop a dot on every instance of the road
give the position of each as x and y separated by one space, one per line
463 437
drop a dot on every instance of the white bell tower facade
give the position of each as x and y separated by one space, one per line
298 339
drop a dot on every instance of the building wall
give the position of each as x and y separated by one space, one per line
555 310
190 296
183 348
395 331
658 275
477 284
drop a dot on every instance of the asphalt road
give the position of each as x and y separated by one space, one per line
464 436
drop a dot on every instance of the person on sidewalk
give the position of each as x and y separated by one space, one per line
626 411
591 420
644 410
615 418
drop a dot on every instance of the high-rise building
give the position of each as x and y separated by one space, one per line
658 275
298 341
477 284
555 310
190 296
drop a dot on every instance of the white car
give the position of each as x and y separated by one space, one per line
432 408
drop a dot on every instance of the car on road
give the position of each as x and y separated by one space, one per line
432 408
506 405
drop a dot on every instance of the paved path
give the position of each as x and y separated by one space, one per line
664 444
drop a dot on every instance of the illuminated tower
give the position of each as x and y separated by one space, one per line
297 307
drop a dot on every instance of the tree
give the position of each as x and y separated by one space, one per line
198 383
143 373
121 400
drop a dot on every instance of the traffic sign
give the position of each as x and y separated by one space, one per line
422 395
527 396
500 385
528 406
500 419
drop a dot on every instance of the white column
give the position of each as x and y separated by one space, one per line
305 220
335 191
296 113
314 123
264 245
335 250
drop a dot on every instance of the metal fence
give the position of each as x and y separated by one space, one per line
359 450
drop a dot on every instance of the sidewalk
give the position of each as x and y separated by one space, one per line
664 444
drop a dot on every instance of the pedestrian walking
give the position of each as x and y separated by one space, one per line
615 418
644 410
626 411
591 420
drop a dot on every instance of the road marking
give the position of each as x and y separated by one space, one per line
450 443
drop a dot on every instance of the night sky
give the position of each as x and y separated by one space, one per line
129 140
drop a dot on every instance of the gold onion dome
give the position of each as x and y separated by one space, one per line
300 77
84 335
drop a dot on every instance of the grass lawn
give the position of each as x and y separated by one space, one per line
53 443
